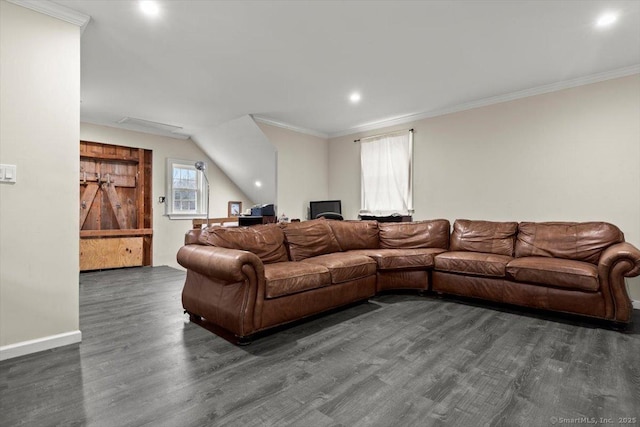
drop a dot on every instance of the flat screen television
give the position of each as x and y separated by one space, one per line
319 207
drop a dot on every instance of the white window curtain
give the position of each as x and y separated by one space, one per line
386 164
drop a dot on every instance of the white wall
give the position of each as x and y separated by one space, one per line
168 234
39 130
302 169
571 155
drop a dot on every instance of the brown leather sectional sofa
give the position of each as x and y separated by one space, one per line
246 280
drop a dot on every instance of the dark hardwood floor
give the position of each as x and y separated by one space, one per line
398 360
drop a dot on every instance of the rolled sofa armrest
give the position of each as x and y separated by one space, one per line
225 286
220 263
617 262
624 253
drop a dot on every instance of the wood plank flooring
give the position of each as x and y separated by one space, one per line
398 360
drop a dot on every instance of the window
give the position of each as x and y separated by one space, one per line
186 193
387 174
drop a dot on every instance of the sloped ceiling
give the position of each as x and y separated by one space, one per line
245 154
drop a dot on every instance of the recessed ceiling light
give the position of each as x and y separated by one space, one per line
606 19
258 184
355 97
149 7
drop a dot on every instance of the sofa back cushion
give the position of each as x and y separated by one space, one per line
356 234
414 235
580 241
484 236
266 241
309 238
192 237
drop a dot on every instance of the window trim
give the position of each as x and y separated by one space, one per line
201 196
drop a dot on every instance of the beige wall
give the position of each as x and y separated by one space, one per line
302 169
39 123
168 234
570 155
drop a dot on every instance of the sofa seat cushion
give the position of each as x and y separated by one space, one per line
286 278
560 273
401 259
475 263
344 266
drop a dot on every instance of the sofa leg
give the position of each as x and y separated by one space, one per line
221 332
243 341
619 326
194 317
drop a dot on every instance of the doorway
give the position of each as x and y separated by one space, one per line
115 206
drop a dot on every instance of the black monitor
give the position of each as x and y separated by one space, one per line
319 207
246 221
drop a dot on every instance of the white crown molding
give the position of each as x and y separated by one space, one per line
55 10
539 90
133 128
33 346
298 129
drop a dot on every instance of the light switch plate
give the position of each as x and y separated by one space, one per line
8 173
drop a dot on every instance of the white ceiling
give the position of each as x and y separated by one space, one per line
201 68
200 64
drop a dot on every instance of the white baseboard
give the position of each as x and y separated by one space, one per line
33 346
636 304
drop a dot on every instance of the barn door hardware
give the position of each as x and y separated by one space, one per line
104 179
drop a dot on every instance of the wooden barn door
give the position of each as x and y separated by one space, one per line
115 206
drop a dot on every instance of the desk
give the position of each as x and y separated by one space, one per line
390 218
197 223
